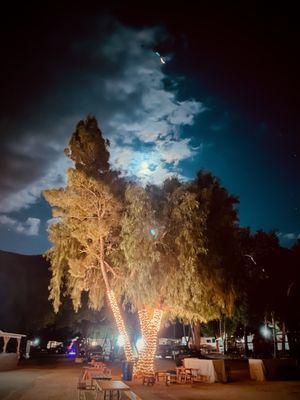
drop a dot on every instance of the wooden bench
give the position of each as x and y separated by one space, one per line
131 395
86 394
85 391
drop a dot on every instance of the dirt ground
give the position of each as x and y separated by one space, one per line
56 379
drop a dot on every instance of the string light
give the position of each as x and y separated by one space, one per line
120 325
150 324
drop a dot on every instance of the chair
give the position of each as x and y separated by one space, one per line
160 375
97 364
184 375
107 371
171 377
148 380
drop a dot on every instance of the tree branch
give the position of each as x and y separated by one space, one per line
112 270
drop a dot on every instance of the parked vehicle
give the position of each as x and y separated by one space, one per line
96 353
164 351
208 343
186 352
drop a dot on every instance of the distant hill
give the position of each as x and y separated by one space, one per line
24 281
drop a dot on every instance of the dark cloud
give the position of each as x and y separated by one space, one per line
63 62
115 75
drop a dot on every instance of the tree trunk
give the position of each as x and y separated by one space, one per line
185 334
183 331
174 331
120 325
195 326
115 307
274 336
246 340
294 343
225 338
150 323
283 338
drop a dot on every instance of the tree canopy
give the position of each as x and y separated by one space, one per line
177 247
88 216
88 149
164 251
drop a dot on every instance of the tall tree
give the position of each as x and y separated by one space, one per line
88 149
159 236
88 212
163 242
141 265
219 265
88 216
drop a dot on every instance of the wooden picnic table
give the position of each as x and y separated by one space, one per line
89 372
111 388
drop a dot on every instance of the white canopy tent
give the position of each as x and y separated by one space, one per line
6 338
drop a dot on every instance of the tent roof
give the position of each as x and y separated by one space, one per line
11 335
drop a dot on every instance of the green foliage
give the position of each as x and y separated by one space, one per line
65 247
223 255
88 149
172 247
140 259
202 277
88 216
170 267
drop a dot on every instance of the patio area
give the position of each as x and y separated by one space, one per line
56 379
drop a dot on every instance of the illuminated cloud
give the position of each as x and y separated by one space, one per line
289 236
117 77
30 227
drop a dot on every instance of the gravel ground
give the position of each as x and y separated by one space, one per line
56 379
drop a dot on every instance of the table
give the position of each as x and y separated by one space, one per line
99 377
257 369
111 388
209 371
88 372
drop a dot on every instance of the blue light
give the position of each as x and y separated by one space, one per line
153 232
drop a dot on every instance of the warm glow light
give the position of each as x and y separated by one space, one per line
150 324
120 325
121 341
140 344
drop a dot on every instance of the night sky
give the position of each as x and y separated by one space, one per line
175 89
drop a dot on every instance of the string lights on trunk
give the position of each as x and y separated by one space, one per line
120 325
150 323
